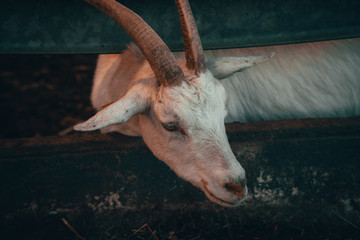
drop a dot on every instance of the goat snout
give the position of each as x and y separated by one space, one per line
229 194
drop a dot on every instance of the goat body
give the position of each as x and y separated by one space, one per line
305 80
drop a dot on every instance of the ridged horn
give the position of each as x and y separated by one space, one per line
194 53
159 56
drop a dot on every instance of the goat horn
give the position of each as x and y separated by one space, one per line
194 53
159 56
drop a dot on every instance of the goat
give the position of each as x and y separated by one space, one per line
179 107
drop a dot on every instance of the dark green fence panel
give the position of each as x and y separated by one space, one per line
68 26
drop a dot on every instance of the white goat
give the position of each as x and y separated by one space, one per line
179 107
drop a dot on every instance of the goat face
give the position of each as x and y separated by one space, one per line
184 127
180 111
189 136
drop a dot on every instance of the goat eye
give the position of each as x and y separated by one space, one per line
171 126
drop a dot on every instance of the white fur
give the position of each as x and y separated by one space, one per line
309 80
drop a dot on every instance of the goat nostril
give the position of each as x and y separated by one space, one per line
237 187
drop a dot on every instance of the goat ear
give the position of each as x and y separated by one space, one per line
118 112
226 66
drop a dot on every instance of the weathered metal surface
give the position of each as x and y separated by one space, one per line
303 179
52 26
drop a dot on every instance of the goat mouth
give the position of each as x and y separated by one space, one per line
216 199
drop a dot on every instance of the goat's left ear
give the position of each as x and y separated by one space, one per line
226 66
133 102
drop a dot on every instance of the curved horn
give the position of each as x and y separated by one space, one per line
192 44
161 60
